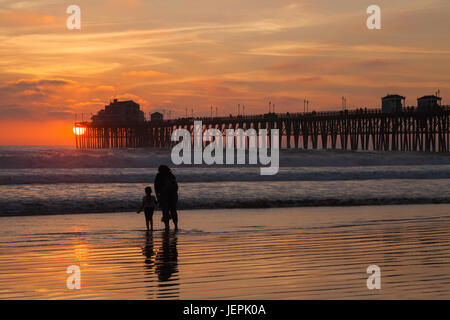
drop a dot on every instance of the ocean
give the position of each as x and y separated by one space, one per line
38 180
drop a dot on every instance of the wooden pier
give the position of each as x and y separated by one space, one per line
408 130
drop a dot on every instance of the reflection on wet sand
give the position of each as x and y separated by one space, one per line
164 263
148 251
292 253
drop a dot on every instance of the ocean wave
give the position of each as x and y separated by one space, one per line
49 180
147 175
71 158
88 198
66 157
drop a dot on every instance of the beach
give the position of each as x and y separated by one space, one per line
275 253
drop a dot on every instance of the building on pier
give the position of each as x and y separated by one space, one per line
392 103
429 103
119 112
156 116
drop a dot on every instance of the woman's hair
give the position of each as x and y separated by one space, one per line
148 190
163 169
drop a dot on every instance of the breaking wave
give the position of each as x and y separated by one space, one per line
56 180
87 198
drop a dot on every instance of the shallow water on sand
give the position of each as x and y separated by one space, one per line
290 253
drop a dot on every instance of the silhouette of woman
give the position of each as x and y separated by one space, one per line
166 189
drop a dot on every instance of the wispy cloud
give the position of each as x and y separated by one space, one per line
298 49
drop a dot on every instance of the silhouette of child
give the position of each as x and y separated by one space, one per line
148 204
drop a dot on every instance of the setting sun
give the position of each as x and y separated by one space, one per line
79 130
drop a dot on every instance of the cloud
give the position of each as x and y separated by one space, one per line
130 96
126 4
293 49
146 74
27 87
211 52
105 88
25 5
397 49
18 19
34 113
37 82
299 49
42 99
13 111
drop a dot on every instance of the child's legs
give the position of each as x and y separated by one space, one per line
149 217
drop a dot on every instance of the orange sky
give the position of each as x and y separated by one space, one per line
173 54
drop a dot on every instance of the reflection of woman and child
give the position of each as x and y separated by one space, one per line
166 189
164 263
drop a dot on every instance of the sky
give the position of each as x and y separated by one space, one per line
169 55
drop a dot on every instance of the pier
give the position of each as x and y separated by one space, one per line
360 129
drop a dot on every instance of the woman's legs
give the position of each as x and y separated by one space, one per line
174 216
169 210
173 211
165 213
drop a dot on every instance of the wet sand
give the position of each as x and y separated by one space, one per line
289 253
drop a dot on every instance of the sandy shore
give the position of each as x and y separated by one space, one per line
289 253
